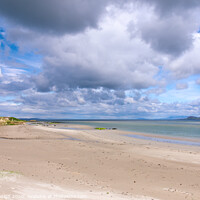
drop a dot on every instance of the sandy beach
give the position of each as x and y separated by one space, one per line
40 162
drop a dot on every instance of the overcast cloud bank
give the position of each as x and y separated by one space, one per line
100 59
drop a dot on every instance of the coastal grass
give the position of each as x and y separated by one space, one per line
5 173
10 121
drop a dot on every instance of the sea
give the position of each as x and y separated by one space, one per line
181 129
174 128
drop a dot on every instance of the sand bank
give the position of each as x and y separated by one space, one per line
94 164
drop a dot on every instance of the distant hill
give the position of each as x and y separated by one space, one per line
193 118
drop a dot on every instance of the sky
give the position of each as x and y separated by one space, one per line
108 59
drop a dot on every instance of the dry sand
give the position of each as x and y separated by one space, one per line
38 162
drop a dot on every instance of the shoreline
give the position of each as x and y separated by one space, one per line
178 137
100 164
190 141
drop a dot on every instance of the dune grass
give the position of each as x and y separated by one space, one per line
10 121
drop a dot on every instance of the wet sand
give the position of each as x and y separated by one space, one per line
94 164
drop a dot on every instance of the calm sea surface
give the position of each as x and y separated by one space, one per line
181 128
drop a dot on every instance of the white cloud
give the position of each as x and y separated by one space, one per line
181 86
188 63
1 75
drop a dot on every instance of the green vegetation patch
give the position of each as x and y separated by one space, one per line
99 128
10 121
14 119
8 173
54 122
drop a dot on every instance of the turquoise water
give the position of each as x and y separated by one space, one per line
179 128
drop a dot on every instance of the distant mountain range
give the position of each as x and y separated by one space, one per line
192 118
170 118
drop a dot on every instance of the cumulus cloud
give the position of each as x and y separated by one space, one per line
52 16
13 80
170 7
104 57
67 105
171 34
15 86
188 63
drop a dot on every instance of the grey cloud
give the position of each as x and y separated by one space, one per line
93 60
171 6
71 65
98 95
43 100
78 76
105 58
42 83
162 6
110 97
70 98
188 63
78 98
15 86
72 16
171 35
168 26
120 93
53 16
67 104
